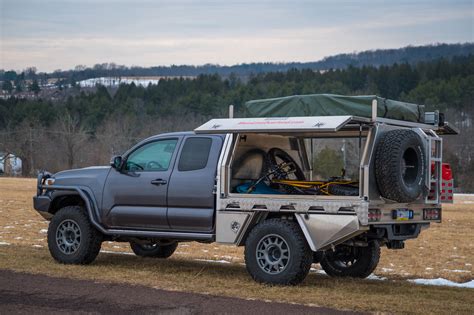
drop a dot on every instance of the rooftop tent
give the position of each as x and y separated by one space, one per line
334 105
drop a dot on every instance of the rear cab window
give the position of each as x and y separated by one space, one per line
195 154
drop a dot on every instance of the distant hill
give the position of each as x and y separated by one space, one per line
379 57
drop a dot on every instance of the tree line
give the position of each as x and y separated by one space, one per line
379 57
88 128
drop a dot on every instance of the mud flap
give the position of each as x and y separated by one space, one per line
323 230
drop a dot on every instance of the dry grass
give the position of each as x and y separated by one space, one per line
445 250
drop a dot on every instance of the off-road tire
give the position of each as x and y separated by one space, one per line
343 190
300 254
400 165
156 251
367 260
317 256
90 239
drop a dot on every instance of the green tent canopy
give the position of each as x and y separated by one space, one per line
334 105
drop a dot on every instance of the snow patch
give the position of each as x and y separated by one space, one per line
318 271
387 270
44 231
4 243
375 277
119 253
214 261
455 270
38 246
443 282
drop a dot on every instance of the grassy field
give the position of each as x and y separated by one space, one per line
445 250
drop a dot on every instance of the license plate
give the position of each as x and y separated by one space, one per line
402 214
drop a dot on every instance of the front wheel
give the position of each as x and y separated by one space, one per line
276 252
351 261
155 250
71 237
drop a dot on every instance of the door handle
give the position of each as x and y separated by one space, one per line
158 182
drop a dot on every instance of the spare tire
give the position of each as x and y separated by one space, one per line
400 165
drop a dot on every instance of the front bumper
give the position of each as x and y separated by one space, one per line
42 204
42 200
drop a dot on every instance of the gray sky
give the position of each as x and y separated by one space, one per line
61 34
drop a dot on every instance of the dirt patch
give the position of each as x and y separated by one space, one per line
24 293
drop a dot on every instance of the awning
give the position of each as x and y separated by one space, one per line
278 124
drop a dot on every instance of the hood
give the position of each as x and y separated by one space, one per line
92 177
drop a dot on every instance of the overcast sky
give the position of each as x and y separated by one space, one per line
61 34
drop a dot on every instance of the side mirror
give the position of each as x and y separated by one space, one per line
116 162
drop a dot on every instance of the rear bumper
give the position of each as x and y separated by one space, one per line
398 232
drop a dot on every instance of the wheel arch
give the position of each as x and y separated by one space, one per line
260 217
73 195
64 199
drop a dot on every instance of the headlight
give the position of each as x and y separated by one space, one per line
49 181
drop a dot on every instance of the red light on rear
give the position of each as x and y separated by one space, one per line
431 214
446 171
375 215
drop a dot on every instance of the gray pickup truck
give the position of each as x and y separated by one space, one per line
255 182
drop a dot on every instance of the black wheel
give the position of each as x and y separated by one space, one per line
71 237
400 165
154 250
351 261
317 256
275 157
343 190
276 252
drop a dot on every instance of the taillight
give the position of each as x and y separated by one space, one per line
446 172
432 214
375 215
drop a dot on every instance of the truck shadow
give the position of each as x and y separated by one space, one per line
191 267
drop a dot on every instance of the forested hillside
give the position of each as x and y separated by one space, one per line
87 129
379 57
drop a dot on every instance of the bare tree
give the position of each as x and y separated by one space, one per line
72 136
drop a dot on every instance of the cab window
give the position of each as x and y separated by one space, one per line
152 157
194 154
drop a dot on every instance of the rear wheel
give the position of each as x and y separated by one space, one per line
154 250
276 252
351 261
71 237
317 256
